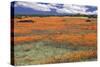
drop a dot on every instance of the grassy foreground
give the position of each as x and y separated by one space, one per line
50 52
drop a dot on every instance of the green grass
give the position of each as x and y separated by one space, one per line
30 53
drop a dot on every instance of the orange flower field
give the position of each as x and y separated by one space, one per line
71 38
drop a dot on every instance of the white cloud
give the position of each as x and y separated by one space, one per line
52 5
95 12
63 10
76 7
92 13
36 6
73 9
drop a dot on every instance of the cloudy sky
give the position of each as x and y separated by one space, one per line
21 7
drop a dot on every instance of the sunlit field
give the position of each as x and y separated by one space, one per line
54 39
